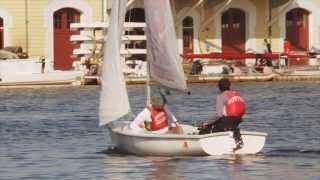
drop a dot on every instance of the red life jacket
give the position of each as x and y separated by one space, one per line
159 119
235 106
286 47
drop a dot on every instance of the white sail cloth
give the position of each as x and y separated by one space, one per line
114 101
162 52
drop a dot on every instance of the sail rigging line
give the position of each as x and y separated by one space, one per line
148 89
209 20
188 12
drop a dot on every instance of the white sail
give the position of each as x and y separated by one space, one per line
162 52
114 101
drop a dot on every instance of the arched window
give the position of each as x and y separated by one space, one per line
135 15
233 31
187 33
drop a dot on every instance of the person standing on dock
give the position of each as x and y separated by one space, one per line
230 108
267 46
286 50
266 49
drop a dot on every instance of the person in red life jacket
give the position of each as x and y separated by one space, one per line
286 50
155 117
286 46
230 108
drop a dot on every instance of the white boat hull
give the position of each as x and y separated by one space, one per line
185 144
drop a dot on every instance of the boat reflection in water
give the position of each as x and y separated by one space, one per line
120 166
128 167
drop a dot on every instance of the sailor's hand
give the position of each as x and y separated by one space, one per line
176 129
203 126
147 126
198 124
175 124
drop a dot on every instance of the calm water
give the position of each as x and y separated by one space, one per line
54 134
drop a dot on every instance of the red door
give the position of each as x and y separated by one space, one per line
1 33
233 31
63 48
297 33
297 28
187 33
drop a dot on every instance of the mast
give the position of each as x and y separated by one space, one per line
148 89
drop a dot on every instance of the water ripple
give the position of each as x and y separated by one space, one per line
54 134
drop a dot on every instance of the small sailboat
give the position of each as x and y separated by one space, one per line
166 69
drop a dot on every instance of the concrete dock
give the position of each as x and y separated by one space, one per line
73 78
55 78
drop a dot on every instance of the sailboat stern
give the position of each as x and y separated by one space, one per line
253 142
223 143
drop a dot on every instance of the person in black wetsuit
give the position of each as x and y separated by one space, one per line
230 107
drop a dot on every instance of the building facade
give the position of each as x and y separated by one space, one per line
42 27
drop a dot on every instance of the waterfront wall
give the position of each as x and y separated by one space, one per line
19 67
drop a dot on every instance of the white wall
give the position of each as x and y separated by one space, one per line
19 67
